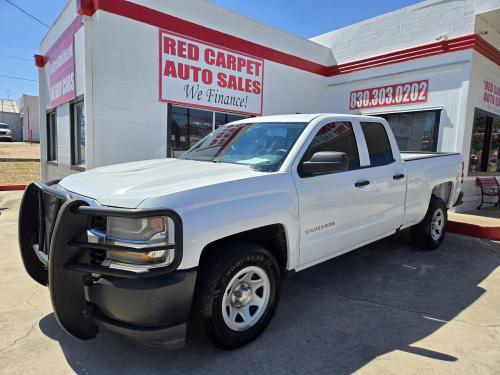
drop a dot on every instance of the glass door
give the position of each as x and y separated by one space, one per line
485 144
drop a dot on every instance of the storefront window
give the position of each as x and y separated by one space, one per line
225 118
415 131
52 136
200 125
190 125
485 144
78 133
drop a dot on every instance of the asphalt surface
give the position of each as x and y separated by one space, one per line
384 308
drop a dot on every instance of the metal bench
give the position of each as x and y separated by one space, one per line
489 188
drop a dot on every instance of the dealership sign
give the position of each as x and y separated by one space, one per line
491 95
61 67
205 75
398 94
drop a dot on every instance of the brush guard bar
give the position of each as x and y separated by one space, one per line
55 251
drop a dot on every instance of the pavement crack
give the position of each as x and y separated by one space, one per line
36 308
400 308
19 339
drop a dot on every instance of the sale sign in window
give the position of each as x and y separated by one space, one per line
205 75
398 94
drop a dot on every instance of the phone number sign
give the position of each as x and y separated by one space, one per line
398 94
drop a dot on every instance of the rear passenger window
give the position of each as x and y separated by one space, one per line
378 143
336 136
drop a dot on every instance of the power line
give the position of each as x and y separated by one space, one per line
27 13
19 78
15 57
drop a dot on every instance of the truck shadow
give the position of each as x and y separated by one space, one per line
333 318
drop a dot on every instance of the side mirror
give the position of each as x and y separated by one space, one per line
325 162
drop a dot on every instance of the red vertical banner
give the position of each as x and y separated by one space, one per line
61 66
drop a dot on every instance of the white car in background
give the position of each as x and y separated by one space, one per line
5 132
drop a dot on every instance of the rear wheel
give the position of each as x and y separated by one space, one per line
430 232
237 293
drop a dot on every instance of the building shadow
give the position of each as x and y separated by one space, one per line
333 318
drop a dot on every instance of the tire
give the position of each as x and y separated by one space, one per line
428 235
228 285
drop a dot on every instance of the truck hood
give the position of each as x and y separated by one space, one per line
127 185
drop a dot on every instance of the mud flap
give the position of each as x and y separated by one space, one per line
28 234
66 287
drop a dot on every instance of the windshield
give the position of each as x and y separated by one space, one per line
262 145
4 126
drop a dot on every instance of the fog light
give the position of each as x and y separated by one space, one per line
152 257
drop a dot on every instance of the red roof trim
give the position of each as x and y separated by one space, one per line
86 7
487 50
40 60
165 21
426 50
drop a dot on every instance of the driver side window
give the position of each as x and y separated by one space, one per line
338 137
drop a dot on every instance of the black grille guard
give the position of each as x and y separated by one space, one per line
66 266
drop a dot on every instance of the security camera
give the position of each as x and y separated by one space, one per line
442 37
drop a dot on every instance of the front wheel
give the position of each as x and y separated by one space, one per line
430 232
238 291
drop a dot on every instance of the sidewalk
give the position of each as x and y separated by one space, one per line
484 223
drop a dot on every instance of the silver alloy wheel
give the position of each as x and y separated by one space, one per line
246 298
437 224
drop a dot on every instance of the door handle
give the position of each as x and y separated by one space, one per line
362 183
398 176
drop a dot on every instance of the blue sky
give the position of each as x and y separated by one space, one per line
20 35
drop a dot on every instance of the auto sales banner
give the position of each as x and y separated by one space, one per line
491 95
205 75
61 67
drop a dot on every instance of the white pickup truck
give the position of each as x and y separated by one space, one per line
138 248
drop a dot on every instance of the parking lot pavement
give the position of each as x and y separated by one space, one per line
383 308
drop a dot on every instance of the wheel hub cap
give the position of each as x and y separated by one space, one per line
437 224
246 298
242 294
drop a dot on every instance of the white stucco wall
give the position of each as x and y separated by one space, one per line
419 24
116 66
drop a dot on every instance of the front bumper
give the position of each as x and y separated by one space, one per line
151 307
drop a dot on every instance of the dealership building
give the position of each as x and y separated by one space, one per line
131 80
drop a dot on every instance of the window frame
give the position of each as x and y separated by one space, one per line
488 137
354 124
367 147
51 136
75 150
436 127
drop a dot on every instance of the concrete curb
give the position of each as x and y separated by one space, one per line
12 187
474 230
14 160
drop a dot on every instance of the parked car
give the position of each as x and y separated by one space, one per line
5 132
138 248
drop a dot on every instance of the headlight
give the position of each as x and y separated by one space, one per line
135 230
135 233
